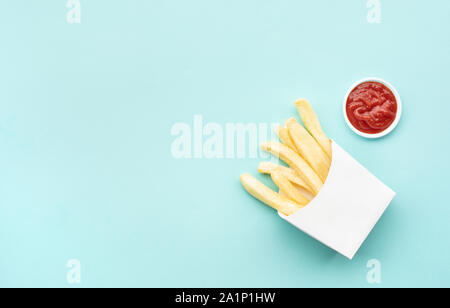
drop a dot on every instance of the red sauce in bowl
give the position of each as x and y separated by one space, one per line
371 107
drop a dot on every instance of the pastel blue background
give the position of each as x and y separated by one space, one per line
86 110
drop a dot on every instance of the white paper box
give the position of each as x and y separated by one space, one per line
347 207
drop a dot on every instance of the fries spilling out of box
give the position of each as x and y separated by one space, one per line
324 191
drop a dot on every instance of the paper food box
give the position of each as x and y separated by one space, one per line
324 191
347 207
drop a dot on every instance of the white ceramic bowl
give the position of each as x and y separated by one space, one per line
397 117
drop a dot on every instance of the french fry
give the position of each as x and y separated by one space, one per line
284 136
296 162
309 148
269 168
268 196
289 189
312 124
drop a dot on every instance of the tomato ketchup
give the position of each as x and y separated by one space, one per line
371 107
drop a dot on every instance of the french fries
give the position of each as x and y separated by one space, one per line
312 123
307 152
286 187
284 136
269 168
266 195
296 162
309 148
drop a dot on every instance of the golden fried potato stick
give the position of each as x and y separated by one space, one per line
296 162
285 186
267 167
284 136
268 196
309 149
312 124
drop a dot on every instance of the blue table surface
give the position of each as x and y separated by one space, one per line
87 109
